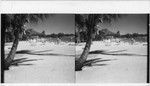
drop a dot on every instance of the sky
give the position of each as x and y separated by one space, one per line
128 23
55 24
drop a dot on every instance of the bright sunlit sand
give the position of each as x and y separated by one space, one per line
123 63
42 63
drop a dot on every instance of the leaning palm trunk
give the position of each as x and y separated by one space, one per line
79 63
78 37
12 52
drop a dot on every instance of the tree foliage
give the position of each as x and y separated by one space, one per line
15 23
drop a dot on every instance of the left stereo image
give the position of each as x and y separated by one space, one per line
37 48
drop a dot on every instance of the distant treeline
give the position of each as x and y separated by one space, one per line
30 33
133 35
58 35
79 36
106 34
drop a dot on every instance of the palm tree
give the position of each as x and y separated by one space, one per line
17 22
90 21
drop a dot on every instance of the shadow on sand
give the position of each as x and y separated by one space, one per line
39 53
96 62
21 61
28 51
114 53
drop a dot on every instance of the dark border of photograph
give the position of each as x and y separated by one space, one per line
2 49
148 27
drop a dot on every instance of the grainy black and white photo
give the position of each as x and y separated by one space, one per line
74 48
38 48
111 48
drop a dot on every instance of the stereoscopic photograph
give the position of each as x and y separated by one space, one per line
74 48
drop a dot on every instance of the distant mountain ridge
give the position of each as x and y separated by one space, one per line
32 32
106 32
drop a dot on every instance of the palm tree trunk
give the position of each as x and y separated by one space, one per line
12 52
79 63
78 37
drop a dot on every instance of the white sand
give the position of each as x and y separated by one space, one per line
57 67
121 69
